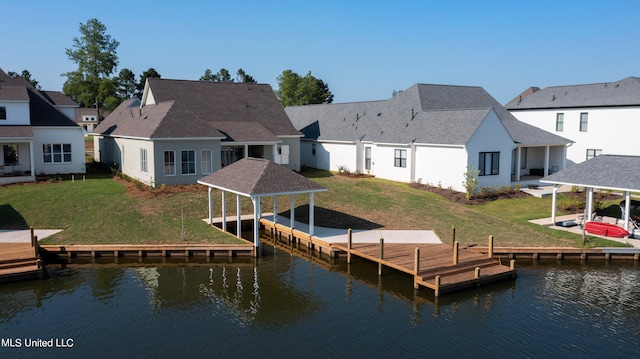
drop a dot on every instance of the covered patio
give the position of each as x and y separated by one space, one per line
607 172
256 178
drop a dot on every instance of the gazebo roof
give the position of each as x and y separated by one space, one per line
614 172
258 177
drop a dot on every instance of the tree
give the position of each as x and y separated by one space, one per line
126 83
241 76
470 182
27 76
224 76
295 90
95 54
143 79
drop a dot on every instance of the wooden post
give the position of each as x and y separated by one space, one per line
455 252
437 285
512 264
381 256
453 235
349 245
416 261
490 248
477 273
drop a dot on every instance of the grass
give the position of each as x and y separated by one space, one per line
102 210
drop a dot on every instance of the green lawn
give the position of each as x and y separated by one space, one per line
102 210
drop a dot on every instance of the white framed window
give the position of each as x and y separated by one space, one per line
56 153
143 161
591 153
584 121
188 162
400 158
489 163
283 155
559 122
207 161
169 163
11 154
367 158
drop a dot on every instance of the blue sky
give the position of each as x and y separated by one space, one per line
363 49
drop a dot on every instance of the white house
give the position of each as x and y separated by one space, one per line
428 134
184 130
37 133
601 118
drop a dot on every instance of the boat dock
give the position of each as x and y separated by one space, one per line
152 250
441 267
20 260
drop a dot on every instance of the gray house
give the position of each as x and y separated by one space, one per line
184 130
428 134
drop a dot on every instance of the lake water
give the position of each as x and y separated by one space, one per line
281 306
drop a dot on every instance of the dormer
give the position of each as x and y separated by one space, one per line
14 106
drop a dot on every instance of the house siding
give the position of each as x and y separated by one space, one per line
609 129
383 162
491 136
59 135
443 166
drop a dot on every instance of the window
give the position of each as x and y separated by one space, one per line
367 158
559 122
188 160
584 121
591 153
10 154
283 155
169 163
523 158
143 160
313 149
400 158
56 153
489 163
207 161
3 113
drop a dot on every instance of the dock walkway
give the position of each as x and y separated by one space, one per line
20 259
441 267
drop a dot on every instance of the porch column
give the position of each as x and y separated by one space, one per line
275 209
564 157
31 159
292 211
256 220
209 190
224 211
246 151
546 161
311 214
589 204
553 203
627 208
238 217
275 153
518 158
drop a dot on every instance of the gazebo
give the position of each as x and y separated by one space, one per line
609 172
257 178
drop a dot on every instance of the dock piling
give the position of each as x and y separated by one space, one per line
381 256
490 249
456 246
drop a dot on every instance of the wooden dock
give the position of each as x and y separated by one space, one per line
20 260
152 250
441 267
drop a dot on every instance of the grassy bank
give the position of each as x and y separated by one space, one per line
105 210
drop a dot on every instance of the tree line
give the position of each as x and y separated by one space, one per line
95 84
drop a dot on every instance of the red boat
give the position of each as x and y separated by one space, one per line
605 229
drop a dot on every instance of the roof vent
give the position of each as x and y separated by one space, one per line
553 98
617 85
379 113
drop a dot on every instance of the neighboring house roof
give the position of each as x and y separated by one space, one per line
434 114
606 171
240 112
42 110
255 176
625 92
80 112
59 99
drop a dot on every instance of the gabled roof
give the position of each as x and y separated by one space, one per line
256 176
42 109
625 92
240 112
434 114
606 171
58 99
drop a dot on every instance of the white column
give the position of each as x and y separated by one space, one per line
589 204
627 208
256 220
292 211
275 209
553 203
518 157
564 157
209 190
546 161
224 211
33 164
275 153
239 217
246 151
311 214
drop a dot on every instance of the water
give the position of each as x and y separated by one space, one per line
289 307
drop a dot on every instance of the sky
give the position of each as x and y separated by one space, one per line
363 50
